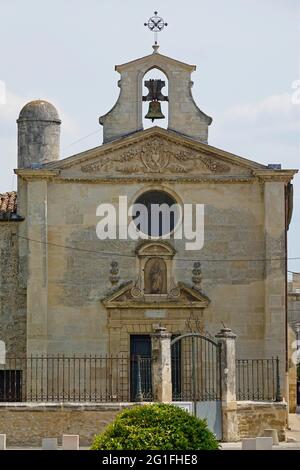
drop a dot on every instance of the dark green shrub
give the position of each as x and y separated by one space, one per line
156 427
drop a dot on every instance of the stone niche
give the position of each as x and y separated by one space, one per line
155 272
153 298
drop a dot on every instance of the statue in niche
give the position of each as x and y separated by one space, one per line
155 276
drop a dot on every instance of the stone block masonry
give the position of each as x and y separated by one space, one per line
255 417
27 424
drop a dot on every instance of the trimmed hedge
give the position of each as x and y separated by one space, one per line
156 427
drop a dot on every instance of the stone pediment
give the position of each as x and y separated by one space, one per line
183 296
154 153
156 156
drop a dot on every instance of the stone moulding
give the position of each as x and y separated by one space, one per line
117 179
156 154
214 179
284 176
30 174
140 137
189 298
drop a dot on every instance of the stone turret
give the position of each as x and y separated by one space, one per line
184 115
38 134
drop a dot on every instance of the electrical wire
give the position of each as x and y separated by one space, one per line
110 253
81 138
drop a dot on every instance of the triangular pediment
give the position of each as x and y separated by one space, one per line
154 152
155 60
185 297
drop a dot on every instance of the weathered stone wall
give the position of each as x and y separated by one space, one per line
78 280
27 424
244 219
12 296
292 371
255 417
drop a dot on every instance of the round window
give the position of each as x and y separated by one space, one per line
155 213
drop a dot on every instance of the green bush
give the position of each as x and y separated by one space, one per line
156 427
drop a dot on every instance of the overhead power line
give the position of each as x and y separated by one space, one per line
128 255
82 138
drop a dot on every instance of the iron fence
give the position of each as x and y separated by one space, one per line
258 379
108 378
63 378
144 379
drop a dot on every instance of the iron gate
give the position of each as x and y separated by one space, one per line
196 376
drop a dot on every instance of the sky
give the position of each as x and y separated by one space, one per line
247 54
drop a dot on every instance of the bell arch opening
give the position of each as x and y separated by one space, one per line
155 99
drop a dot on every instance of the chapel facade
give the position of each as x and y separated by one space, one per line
65 291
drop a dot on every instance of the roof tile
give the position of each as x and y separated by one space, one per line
8 202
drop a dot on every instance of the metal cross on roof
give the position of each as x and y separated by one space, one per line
156 24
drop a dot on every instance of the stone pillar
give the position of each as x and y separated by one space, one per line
226 340
161 365
37 284
275 315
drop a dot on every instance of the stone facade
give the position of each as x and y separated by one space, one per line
56 275
66 288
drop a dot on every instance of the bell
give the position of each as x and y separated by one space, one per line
154 111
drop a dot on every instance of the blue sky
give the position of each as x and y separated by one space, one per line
246 52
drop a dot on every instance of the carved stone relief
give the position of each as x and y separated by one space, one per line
157 156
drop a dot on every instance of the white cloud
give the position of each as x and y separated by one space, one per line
11 107
10 110
266 131
270 111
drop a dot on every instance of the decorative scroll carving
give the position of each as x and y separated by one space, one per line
136 292
156 156
175 292
215 165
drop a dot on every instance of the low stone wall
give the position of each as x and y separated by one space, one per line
254 417
26 424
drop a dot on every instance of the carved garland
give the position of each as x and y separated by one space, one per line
155 157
